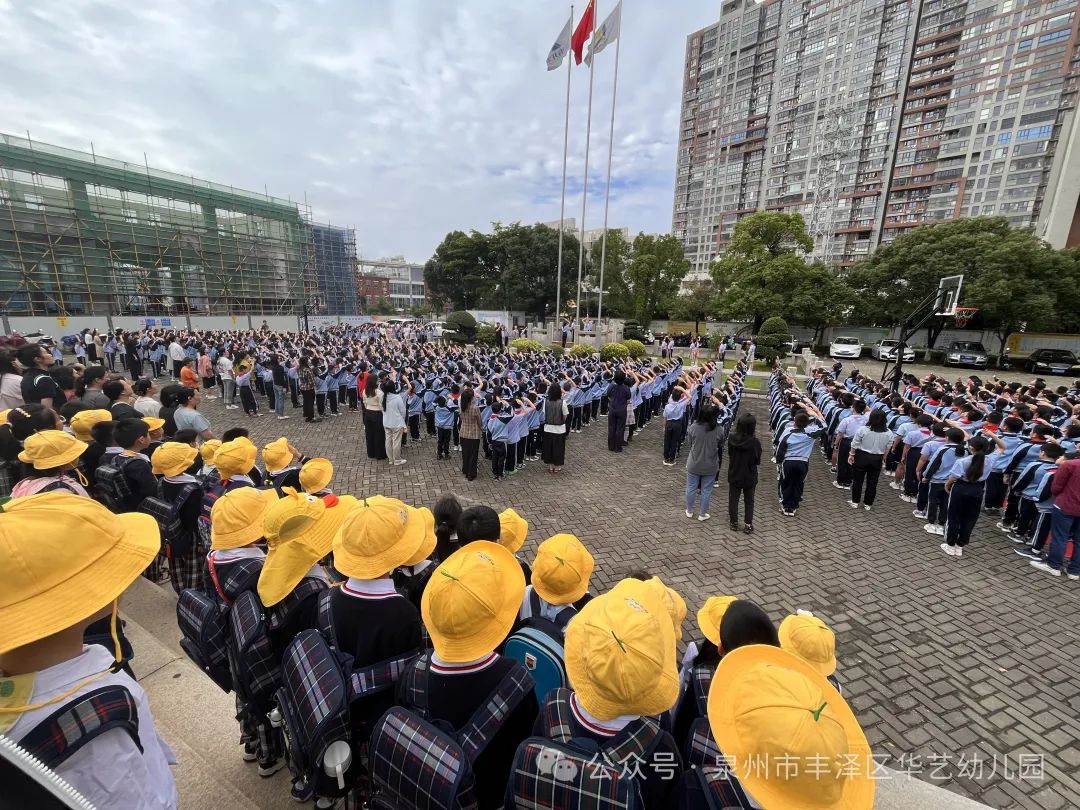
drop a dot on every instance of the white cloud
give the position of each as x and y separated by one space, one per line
405 119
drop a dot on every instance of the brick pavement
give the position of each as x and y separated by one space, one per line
938 656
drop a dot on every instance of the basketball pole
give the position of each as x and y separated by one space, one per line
924 311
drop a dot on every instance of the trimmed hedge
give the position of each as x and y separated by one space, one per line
526 345
581 350
614 351
635 347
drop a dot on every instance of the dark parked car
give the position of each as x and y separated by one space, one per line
1052 361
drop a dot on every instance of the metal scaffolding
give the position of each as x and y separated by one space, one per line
85 235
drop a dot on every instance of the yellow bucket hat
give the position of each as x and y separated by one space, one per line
236 457
514 530
620 653
208 449
711 614
809 638
154 422
48 449
316 474
4 416
299 530
766 704
83 422
673 602
172 458
237 517
561 570
472 600
47 582
277 455
381 534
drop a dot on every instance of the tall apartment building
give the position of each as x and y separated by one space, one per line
872 117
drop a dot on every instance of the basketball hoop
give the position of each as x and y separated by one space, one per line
964 315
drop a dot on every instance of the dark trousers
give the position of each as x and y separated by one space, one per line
843 469
1025 520
937 503
247 399
673 433
498 458
294 391
470 451
923 498
575 417
320 402
911 482
350 391
429 422
792 479
995 491
309 404
414 426
509 456
343 394
965 503
135 367
1040 532
176 366
892 460
865 471
1064 528
734 491
522 446
270 396
603 405
331 397
443 449
1012 509
616 426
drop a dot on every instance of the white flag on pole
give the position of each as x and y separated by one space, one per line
606 33
561 47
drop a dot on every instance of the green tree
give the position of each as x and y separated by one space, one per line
697 302
770 339
1067 288
904 272
382 307
524 261
819 299
461 327
656 270
618 302
460 273
761 266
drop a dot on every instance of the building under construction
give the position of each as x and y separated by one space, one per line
86 235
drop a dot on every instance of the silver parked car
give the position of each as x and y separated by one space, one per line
886 350
966 353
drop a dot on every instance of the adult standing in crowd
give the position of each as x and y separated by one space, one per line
1064 520
89 339
618 402
37 385
744 457
868 448
306 381
188 416
281 384
393 422
556 411
145 397
10 382
93 378
372 403
470 432
133 352
176 356
703 461
228 381
109 348
206 372
120 396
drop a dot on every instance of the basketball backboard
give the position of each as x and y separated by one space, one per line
948 295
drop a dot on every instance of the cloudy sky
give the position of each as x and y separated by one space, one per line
403 118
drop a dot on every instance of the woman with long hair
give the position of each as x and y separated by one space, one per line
469 433
556 411
10 382
868 448
703 460
446 512
374 436
966 487
394 421
744 457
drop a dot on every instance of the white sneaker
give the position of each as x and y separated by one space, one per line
933 528
838 485
948 549
689 514
1003 527
704 517
401 461
852 504
921 515
1042 566
283 417
894 485
1073 577
958 551
867 507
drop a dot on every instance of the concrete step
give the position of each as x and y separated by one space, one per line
196 718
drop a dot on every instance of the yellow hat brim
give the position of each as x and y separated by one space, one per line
87 592
766 788
430 540
468 648
555 598
59 460
179 466
245 535
419 532
787 642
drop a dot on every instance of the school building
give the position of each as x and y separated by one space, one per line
85 235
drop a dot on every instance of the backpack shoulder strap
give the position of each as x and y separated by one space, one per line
379 677
325 616
489 718
636 741
556 713
535 605
416 684
80 721
217 583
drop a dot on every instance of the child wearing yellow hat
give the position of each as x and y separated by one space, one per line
805 635
53 459
372 621
184 493
156 426
93 427
507 528
316 475
620 660
560 580
234 460
51 590
767 705
468 608
283 462
209 473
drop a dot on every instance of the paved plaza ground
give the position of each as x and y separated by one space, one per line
949 663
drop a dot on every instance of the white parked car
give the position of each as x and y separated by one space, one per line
846 348
886 350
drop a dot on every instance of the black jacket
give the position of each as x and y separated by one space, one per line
744 456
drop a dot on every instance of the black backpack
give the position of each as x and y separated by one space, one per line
111 486
82 720
174 540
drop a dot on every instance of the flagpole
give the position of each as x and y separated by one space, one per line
562 204
607 192
585 184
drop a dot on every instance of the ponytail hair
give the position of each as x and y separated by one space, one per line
956 436
979 448
446 511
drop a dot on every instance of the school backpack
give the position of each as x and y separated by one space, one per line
278 614
202 631
56 738
318 687
256 672
700 749
208 500
538 646
557 770
174 540
419 762
111 486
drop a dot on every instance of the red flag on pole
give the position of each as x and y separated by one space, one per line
582 32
